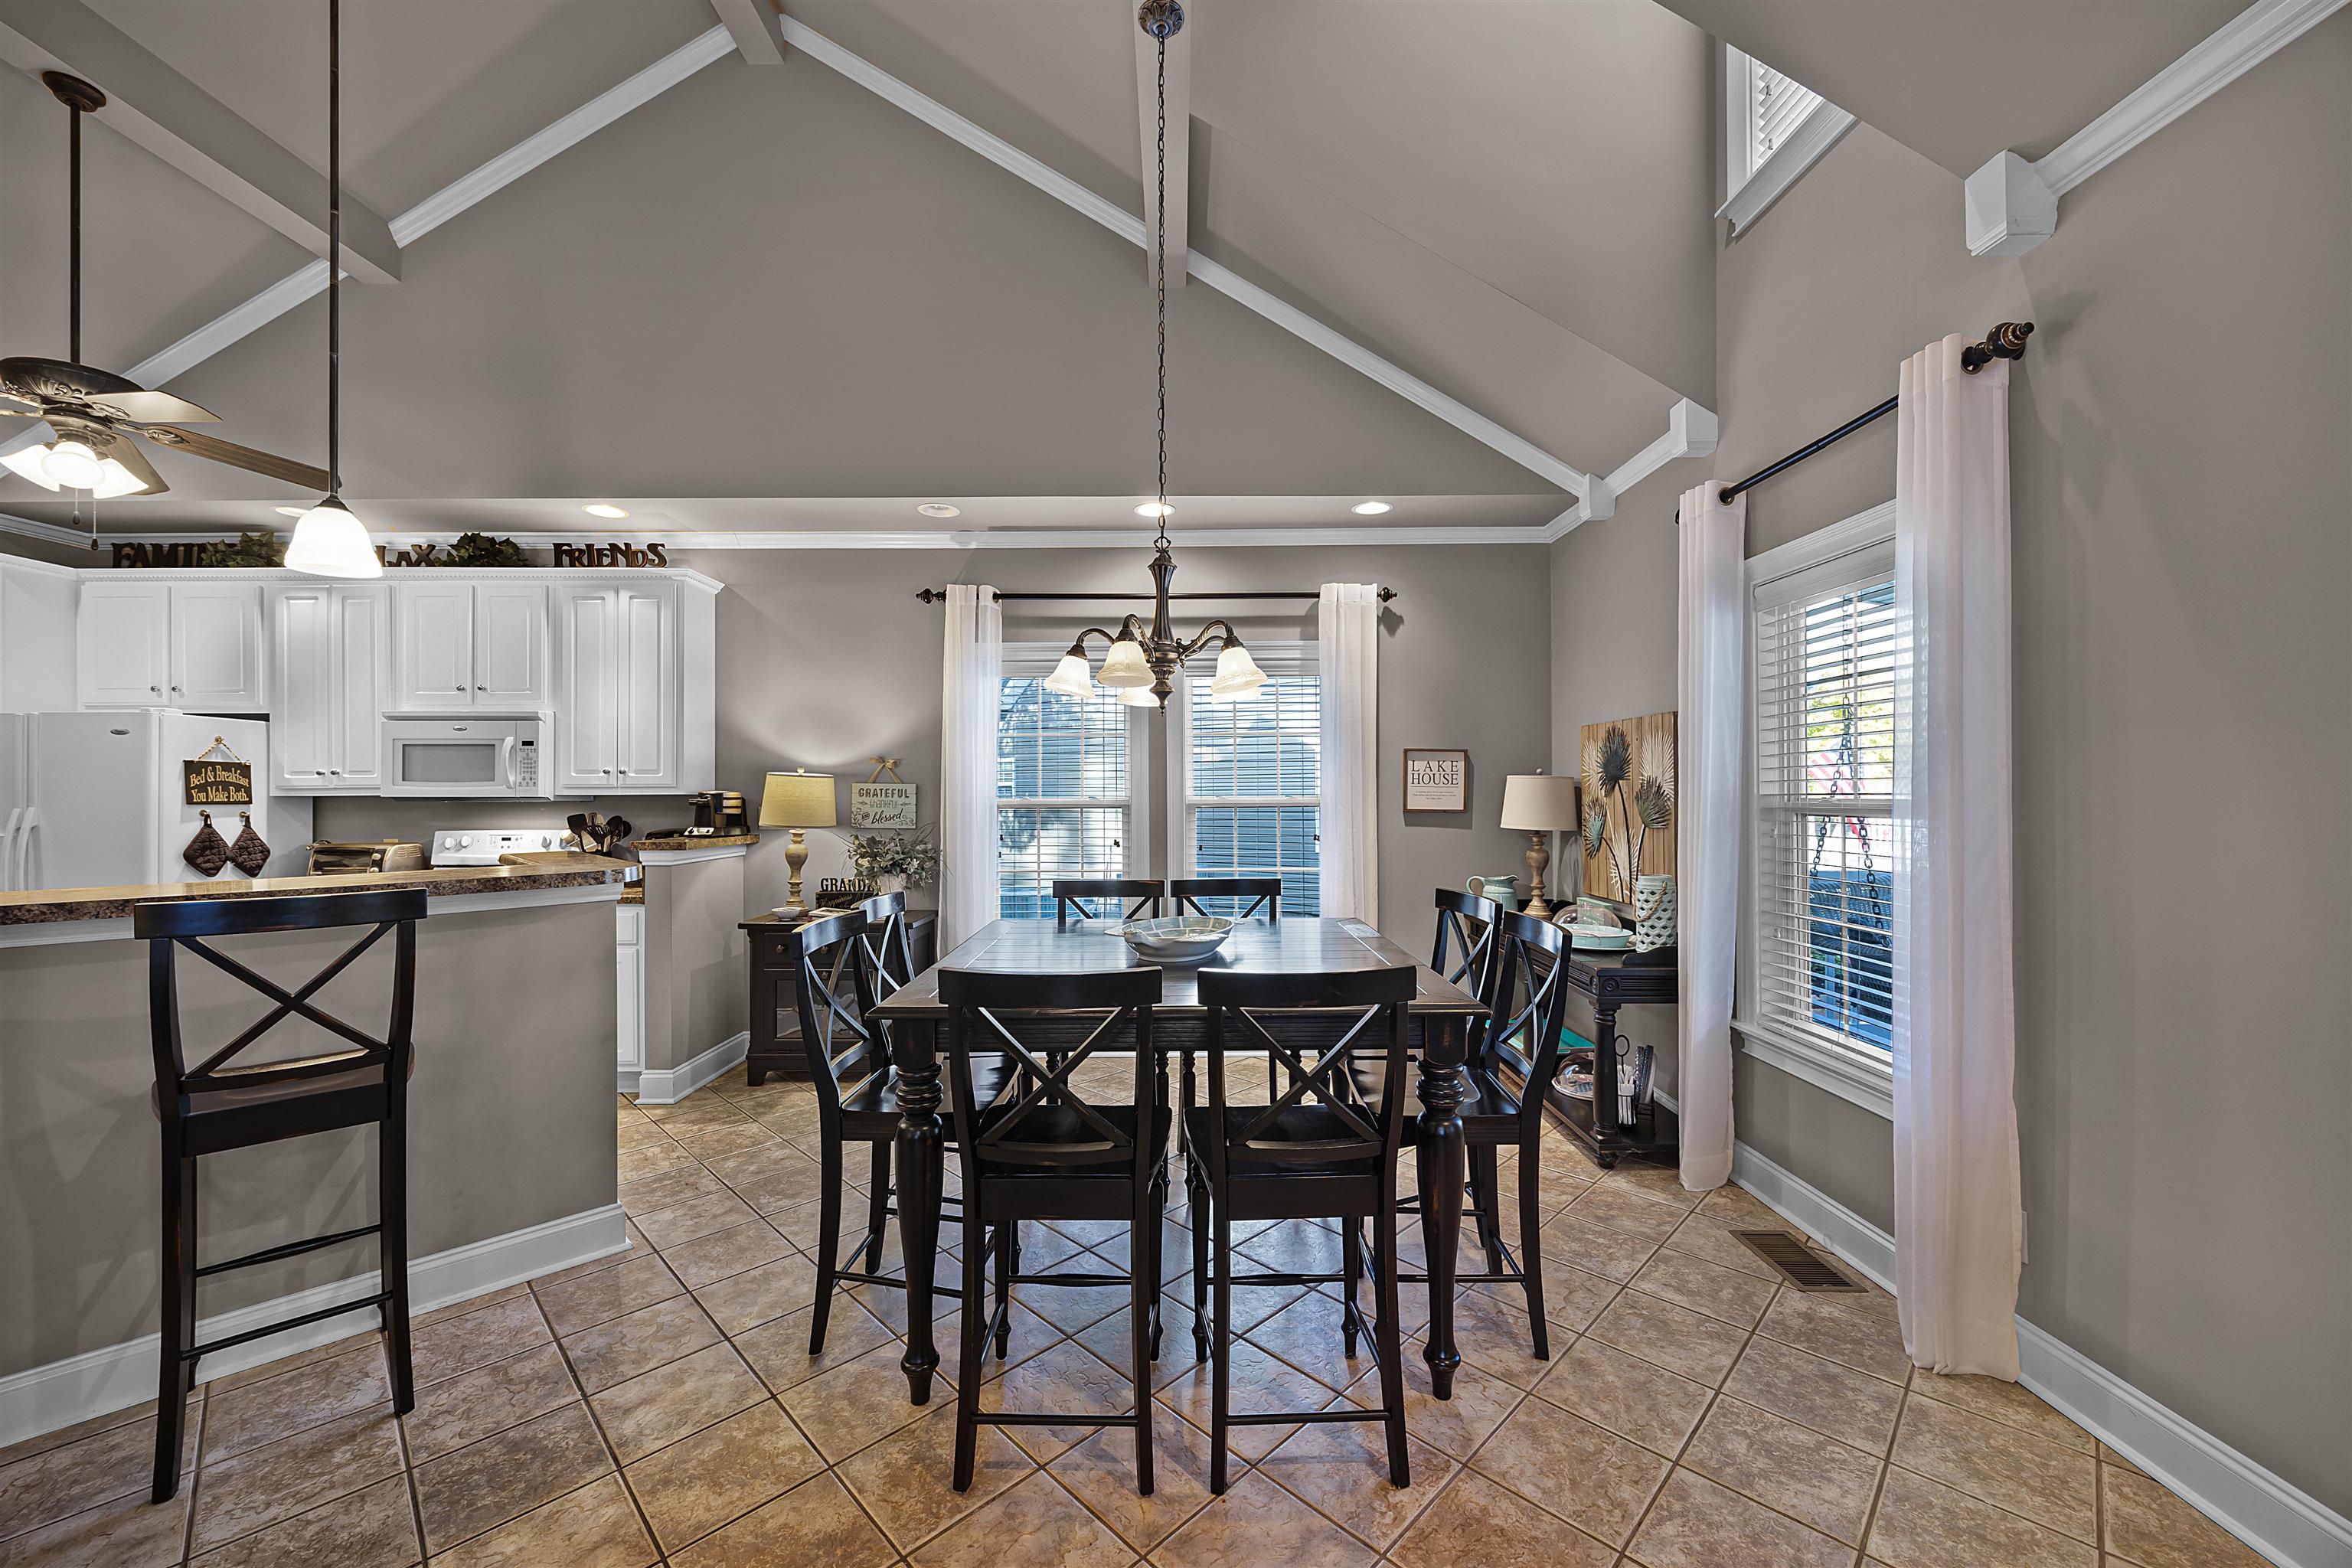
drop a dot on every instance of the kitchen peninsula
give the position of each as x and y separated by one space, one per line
511 1121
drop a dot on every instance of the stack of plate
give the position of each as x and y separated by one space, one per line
1599 939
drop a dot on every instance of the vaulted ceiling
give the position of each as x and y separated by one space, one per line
767 299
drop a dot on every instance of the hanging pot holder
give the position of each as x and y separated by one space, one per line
207 851
249 853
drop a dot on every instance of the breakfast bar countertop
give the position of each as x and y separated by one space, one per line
49 905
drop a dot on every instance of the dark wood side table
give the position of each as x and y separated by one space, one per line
775 1020
1608 982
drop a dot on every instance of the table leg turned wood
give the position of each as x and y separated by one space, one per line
918 1180
1443 1161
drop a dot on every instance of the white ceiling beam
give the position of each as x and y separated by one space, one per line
465 191
1129 227
1177 240
1690 433
757 30
2011 205
169 116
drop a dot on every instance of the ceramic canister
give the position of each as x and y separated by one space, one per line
1653 911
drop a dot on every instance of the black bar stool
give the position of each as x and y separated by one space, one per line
1248 895
1146 892
1319 1150
213 1106
1034 1148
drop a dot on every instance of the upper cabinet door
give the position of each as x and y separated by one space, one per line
510 646
301 723
585 761
432 645
360 635
217 647
122 645
645 688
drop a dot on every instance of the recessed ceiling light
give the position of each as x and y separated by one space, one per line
289 510
1155 509
1370 508
605 508
940 508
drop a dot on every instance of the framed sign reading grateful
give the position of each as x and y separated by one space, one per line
1436 780
879 802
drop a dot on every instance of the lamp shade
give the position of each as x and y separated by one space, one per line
797 800
1237 674
1540 803
1071 677
329 541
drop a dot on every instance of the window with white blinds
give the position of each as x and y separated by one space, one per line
1063 806
1252 780
1827 641
1766 109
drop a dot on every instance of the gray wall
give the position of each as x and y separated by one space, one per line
825 658
2181 453
510 1115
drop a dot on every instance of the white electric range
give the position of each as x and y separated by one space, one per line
483 846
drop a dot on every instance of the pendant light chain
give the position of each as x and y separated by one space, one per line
73 353
1160 274
335 246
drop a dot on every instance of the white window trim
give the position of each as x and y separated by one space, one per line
1275 659
1852 1075
1748 193
1037 660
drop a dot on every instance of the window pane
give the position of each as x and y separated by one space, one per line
1261 841
1056 747
1781 106
1828 958
1269 744
1035 845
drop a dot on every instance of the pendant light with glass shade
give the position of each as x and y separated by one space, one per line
329 541
1145 659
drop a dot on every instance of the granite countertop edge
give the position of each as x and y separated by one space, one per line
47 906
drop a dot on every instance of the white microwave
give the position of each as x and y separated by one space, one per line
454 757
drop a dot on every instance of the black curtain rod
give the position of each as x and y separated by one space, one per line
939 595
2006 340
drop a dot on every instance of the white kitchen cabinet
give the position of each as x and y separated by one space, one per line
327 647
470 645
38 605
621 706
170 645
629 954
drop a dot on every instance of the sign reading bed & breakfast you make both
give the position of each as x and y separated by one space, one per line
212 780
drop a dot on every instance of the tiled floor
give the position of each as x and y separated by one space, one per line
661 1406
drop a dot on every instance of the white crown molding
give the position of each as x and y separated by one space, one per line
48 532
841 538
1819 130
465 191
2283 1523
2011 205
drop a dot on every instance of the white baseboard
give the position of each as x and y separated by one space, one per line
43 1399
667 1086
627 1079
2278 1519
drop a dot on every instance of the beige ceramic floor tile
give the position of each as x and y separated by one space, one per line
1723 1293
815 1525
2010 1404
501 1477
578 1304
494 1333
906 1480
595 1527
375 1528
778 1350
1258 1521
1692 1343
2050 1485
1856 1333
258 1413
1702 1234
1034 1524
695 1218
747 1299
1100 1473
1455 1427
720 1473
473 1405
1066 1377
1696 1524
1804 1474
1826 1395
1628 1210
861 1400
1595 1479
1595 1248
2152 1527
1922 1523
724 1252
262 1485
634 1342
128 1533
1475 1522
657 1408
1629 1396
75 1476
1257 1383
1343 1471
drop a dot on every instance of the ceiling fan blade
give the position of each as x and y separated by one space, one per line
125 451
215 449
154 409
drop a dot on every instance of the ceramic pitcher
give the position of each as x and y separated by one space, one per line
1504 890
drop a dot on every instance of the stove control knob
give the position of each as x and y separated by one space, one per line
466 842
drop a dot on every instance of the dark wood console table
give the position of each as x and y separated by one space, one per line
774 969
1608 982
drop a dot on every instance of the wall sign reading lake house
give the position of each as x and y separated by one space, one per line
1436 780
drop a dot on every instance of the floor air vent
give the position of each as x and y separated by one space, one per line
1799 1265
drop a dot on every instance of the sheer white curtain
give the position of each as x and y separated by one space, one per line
1347 632
1958 1215
1712 697
973 671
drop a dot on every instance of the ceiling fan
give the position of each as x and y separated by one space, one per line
95 418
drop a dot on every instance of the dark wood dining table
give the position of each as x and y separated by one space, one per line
1441 1013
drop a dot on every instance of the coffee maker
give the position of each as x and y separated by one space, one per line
719 814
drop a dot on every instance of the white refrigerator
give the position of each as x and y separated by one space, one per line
98 800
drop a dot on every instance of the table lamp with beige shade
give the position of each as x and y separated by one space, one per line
1540 805
796 800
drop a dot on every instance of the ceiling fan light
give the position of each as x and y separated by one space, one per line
1125 664
29 462
1238 676
115 480
329 541
73 464
1071 677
